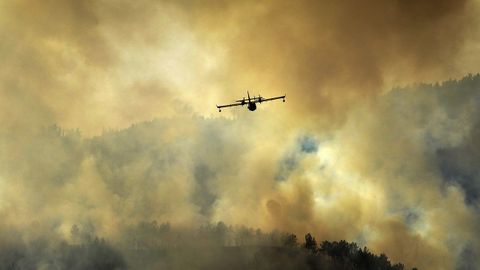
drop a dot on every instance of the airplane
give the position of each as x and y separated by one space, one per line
250 102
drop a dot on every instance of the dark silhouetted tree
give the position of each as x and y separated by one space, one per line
310 243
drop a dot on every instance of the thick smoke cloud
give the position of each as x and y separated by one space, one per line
378 180
97 65
343 158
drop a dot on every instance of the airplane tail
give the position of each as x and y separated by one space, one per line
248 94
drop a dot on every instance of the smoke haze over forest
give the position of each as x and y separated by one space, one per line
108 122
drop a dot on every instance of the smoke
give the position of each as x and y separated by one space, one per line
97 65
50 252
335 55
345 157
382 179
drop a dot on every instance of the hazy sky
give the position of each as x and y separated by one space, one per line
346 157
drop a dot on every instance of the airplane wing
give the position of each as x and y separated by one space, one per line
270 99
228 105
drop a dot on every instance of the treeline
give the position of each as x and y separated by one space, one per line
470 82
44 253
150 245
148 235
341 255
245 247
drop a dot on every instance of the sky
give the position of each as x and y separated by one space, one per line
361 150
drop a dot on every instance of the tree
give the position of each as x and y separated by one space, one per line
310 243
